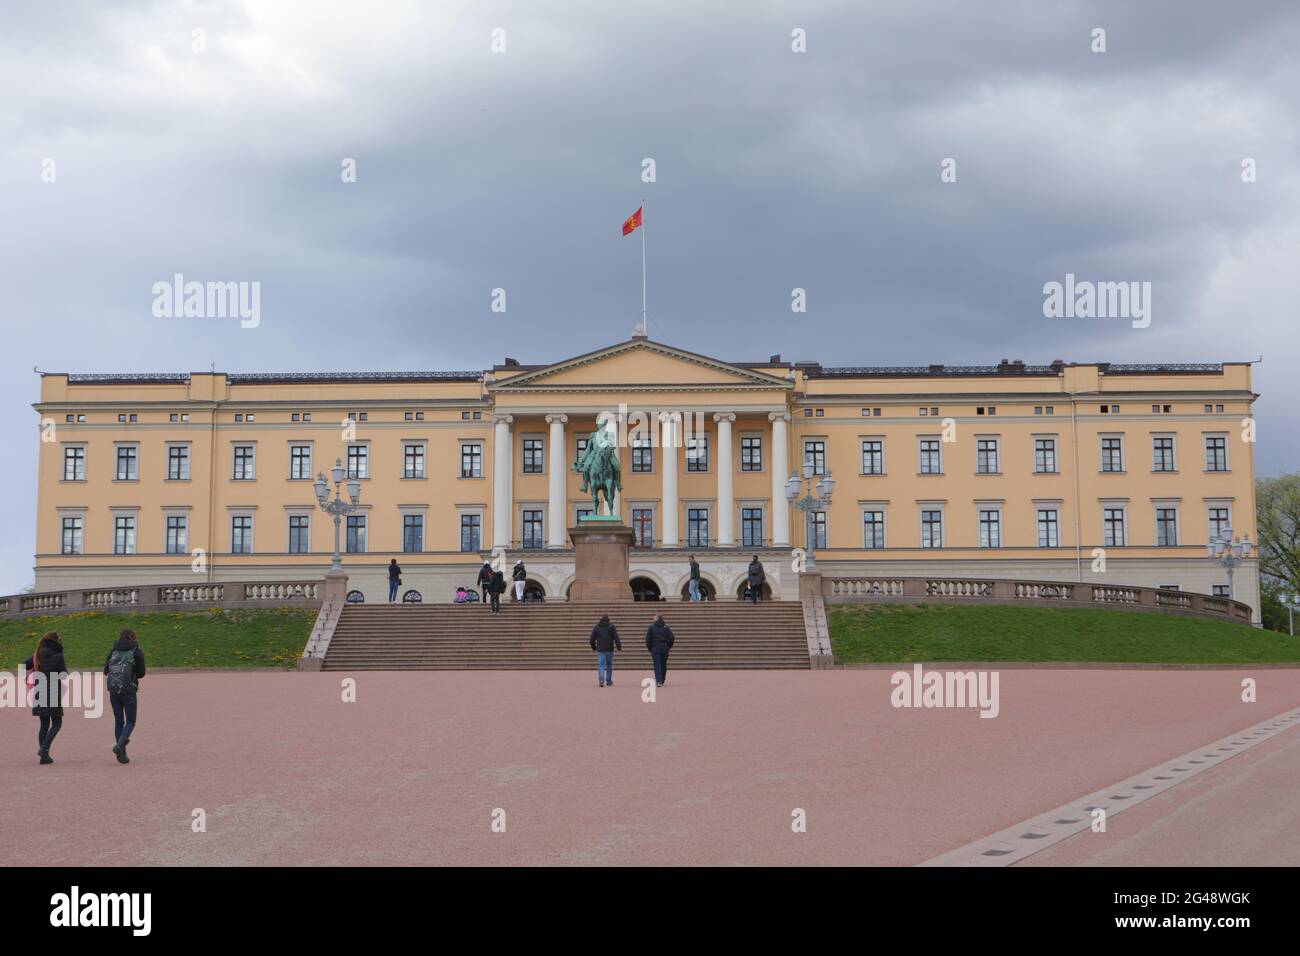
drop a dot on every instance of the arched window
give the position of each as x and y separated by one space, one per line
412 597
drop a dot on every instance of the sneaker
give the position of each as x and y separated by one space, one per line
45 756
119 751
601 684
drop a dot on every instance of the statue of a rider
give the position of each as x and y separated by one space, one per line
599 467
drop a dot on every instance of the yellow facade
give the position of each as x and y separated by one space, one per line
214 454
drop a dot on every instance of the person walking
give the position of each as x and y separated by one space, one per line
659 641
519 575
394 580
604 641
48 667
757 577
695 579
497 588
123 669
484 579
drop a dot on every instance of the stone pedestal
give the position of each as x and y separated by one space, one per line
336 587
600 561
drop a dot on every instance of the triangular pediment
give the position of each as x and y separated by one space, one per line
639 363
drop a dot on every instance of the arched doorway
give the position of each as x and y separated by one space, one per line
534 593
644 589
707 590
766 591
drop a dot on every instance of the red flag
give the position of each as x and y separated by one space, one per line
632 222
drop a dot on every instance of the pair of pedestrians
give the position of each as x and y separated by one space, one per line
659 640
123 669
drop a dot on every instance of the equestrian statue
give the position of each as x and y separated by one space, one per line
598 465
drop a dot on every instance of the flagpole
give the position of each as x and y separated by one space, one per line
644 330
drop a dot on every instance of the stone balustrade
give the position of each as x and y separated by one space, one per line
244 594
869 589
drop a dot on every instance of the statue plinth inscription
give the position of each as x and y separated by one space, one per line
600 549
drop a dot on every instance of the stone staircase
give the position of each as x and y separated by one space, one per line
554 635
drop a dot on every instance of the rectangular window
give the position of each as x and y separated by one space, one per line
127 463
471 532
241 534
818 519
1166 527
1162 453
990 528
815 452
1112 454
413 460
931 461
412 533
243 469
697 453
1112 527
751 527
533 451
986 456
1216 453
124 534
74 463
1045 456
73 535
873 456
177 528
643 527
471 460
532 529
697 527
178 462
1221 590
300 461
355 542
751 453
1048 528
873 529
931 529
299 534
1218 522
358 461
643 455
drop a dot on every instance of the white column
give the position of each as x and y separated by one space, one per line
726 493
557 480
502 482
780 472
668 462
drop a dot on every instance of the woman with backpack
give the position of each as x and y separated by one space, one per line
48 668
123 669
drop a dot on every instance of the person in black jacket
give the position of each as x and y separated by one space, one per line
394 580
48 666
695 579
496 589
520 577
484 579
123 668
659 641
757 576
604 641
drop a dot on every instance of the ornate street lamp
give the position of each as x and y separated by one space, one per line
817 497
337 508
1292 602
1230 552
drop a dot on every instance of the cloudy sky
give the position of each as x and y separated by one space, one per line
479 170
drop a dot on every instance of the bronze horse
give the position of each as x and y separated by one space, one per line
598 465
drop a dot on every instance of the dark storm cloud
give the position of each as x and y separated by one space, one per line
775 170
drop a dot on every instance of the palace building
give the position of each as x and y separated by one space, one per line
1062 472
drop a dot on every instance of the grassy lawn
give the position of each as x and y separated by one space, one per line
940 632
262 638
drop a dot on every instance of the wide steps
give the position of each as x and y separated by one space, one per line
554 636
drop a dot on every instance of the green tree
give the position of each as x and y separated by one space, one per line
1277 503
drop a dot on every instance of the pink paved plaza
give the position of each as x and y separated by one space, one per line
710 773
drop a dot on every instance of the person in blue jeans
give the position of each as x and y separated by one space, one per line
659 641
695 579
123 669
604 641
394 580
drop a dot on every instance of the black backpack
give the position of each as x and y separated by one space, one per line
121 672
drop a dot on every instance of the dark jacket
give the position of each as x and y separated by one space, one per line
498 584
121 645
604 637
484 574
695 570
659 637
756 575
519 573
394 572
50 663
